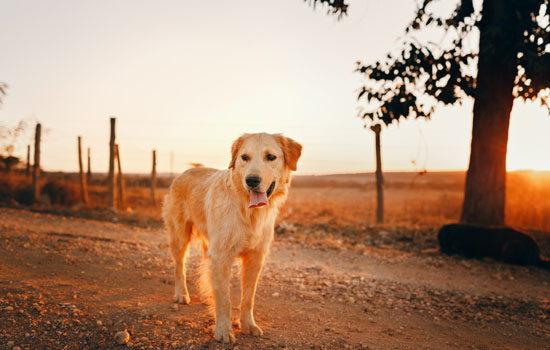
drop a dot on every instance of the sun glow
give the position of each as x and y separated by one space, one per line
529 138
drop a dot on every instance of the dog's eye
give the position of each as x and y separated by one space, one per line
271 157
245 157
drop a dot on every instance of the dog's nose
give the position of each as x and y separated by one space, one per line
253 181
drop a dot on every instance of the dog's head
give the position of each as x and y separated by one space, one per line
261 164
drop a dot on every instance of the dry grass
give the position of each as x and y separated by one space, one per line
410 199
340 209
347 202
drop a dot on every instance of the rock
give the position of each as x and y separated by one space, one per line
10 343
122 337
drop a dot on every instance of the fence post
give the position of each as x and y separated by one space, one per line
154 177
83 188
120 179
36 168
89 172
28 160
111 178
379 178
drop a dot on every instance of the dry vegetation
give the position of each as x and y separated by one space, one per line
411 199
331 208
338 209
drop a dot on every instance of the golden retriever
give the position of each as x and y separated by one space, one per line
233 212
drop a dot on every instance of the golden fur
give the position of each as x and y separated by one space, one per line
213 206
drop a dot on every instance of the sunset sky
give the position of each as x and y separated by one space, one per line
189 77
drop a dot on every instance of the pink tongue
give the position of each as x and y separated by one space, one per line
257 199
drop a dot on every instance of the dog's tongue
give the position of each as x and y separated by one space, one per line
257 199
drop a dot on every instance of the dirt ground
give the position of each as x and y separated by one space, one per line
71 283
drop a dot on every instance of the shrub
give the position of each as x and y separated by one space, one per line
61 192
15 187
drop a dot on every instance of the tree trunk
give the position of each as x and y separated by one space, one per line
484 194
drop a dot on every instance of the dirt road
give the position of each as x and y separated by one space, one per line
69 283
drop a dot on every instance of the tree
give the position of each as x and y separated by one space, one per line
511 60
335 7
10 138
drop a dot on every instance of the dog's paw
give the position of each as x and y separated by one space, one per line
225 335
180 298
251 328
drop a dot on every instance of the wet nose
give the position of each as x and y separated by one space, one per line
253 181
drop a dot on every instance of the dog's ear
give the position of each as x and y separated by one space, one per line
234 150
292 151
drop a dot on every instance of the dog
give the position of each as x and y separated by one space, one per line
500 243
233 213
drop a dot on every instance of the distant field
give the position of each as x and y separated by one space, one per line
429 199
411 198
347 201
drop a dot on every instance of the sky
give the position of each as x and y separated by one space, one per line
188 77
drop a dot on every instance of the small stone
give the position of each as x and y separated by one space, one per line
122 337
275 295
16 348
8 308
10 343
99 323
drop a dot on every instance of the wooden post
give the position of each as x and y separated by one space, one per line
111 178
154 177
120 179
379 178
89 172
36 168
83 188
28 160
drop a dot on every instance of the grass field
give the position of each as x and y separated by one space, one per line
412 199
346 202
349 200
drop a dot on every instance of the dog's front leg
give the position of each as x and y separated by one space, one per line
252 266
220 272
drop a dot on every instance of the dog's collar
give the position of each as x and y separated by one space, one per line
270 189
